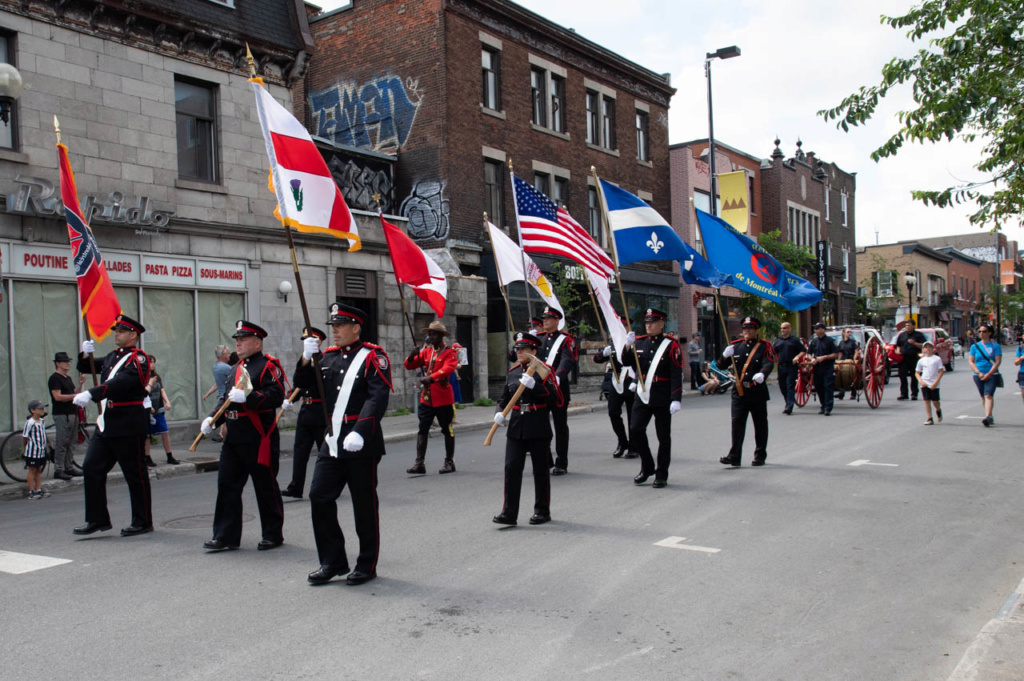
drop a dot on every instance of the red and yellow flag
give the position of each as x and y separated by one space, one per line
95 292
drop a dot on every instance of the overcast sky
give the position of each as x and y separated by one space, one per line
798 56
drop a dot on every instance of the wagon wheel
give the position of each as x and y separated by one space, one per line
874 372
803 387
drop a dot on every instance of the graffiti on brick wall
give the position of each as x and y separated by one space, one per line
376 115
359 184
427 210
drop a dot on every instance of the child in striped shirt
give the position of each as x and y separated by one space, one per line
33 442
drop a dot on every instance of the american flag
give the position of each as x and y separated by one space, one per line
549 229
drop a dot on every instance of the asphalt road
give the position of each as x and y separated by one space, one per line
808 568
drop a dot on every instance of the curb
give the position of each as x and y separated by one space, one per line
480 425
996 652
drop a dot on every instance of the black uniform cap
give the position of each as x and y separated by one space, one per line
653 314
551 312
525 339
245 328
342 313
751 322
313 332
126 323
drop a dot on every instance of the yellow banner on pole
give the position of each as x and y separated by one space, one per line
732 188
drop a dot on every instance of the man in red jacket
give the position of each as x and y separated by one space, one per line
436 396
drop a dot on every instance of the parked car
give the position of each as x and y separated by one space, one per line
861 334
942 341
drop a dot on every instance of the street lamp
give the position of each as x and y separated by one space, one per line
11 86
723 53
910 280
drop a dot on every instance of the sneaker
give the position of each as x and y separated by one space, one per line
42 493
938 413
987 421
929 422
33 496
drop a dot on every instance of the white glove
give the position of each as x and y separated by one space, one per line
729 351
236 395
630 338
207 426
147 403
499 418
607 351
758 377
558 381
287 404
82 399
674 406
88 347
528 381
632 387
353 442
310 347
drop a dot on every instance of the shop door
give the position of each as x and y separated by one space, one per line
467 377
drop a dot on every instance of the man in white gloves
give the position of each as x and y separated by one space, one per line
251 447
529 432
754 359
558 350
619 394
357 382
121 430
310 427
661 367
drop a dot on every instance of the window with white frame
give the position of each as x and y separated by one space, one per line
490 59
538 94
846 265
828 211
557 103
884 283
643 151
593 117
842 209
608 123
7 131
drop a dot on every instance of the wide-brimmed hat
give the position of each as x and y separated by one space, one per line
437 326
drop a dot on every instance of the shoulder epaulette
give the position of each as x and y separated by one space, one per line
643 336
333 348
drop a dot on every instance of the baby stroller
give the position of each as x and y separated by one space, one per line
725 379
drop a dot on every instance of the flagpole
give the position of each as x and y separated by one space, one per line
618 276
718 304
298 286
497 268
401 294
519 235
604 336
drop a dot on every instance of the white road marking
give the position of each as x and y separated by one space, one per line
676 543
868 462
965 416
19 563
635 653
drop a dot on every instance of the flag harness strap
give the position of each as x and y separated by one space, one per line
100 421
645 394
343 397
553 352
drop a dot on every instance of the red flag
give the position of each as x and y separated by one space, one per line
96 294
413 267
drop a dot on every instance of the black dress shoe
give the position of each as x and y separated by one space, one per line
729 462
218 545
359 577
641 478
89 528
787 411
558 471
902 397
61 475
821 411
757 462
325 573
171 460
266 544
828 413
290 492
502 519
914 398
630 455
150 463
659 483
75 472
537 519
619 451
133 530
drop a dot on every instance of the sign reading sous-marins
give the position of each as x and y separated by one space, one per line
37 196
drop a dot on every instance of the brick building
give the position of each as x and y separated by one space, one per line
963 286
691 182
809 201
883 270
458 89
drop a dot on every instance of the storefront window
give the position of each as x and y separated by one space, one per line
218 313
170 335
45 322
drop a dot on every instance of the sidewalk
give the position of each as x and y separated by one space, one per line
997 653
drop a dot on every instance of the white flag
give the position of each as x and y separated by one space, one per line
509 258
604 300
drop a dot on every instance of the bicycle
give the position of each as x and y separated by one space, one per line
12 461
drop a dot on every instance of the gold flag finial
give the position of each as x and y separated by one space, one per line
376 199
252 62
56 128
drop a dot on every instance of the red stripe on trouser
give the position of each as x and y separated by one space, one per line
376 518
143 470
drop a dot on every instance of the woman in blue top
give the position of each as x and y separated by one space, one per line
985 357
1019 361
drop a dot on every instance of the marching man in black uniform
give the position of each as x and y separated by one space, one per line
121 430
357 380
529 432
437 399
558 350
619 393
251 447
754 360
824 353
310 426
661 370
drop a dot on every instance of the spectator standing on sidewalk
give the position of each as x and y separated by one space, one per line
929 372
65 417
160 404
695 353
985 357
221 375
1019 362
33 442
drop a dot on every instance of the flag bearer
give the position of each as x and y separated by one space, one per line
754 360
558 350
310 426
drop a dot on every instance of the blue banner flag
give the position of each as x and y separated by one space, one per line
750 267
699 272
639 232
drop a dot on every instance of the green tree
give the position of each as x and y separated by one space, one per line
575 300
968 83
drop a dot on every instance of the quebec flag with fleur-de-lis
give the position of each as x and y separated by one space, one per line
640 233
